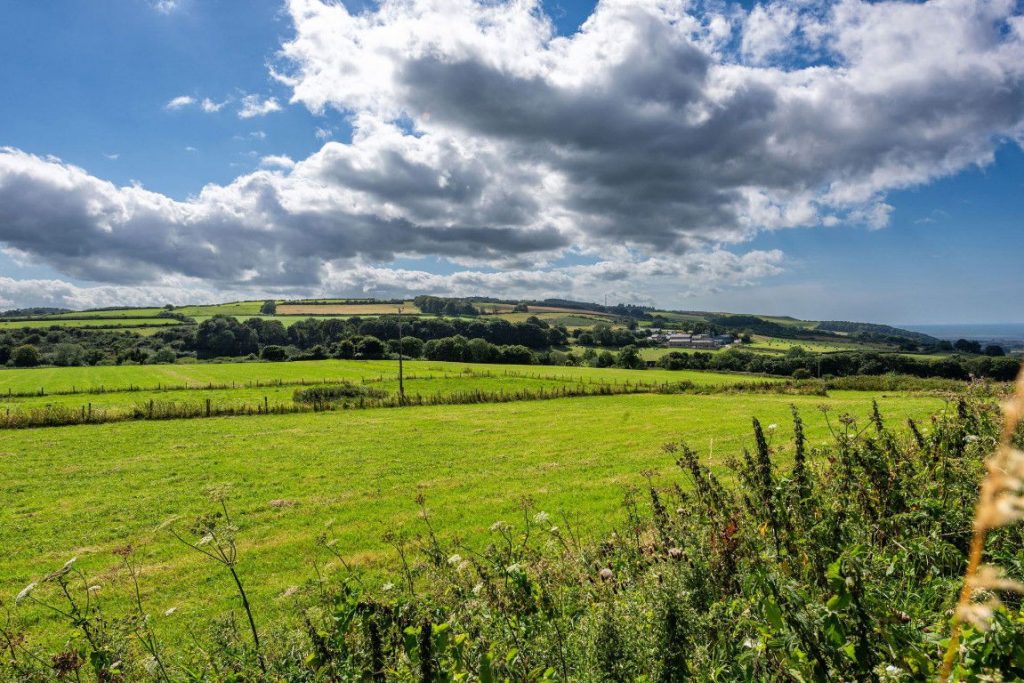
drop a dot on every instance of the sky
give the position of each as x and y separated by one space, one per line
827 160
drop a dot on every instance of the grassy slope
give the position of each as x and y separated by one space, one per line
63 379
360 469
114 323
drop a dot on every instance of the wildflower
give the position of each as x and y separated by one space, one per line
25 592
170 611
455 559
970 438
290 591
205 539
94 589
606 574
387 586
478 588
541 517
772 427
63 571
513 568
675 553
499 526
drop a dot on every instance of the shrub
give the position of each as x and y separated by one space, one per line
26 356
274 353
321 396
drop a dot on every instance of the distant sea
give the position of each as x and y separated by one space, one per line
1007 334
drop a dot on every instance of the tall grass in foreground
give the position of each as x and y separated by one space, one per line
839 563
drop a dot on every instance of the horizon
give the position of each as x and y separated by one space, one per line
827 161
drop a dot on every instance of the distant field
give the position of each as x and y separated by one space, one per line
112 314
346 309
117 323
152 376
353 475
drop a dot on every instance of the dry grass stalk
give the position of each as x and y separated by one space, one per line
1000 502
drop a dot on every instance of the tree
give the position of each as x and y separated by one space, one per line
222 335
629 357
273 353
482 351
370 347
25 356
164 356
967 346
994 350
450 349
269 307
67 355
605 359
516 354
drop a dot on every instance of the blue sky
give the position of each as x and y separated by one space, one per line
90 84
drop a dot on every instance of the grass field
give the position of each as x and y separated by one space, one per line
52 380
346 309
358 472
106 323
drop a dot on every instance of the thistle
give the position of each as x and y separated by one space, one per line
999 503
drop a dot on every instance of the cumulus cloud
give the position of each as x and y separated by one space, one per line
277 161
253 105
643 281
180 102
653 140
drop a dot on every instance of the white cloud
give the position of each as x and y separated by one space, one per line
253 105
277 161
112 157
166 6
655 139
211 107
180 102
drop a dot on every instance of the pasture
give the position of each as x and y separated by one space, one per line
85 490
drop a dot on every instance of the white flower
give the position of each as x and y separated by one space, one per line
170 611
387 586
772 427
513 568
477 588
25 592
94 589
541 517
971 438
499 526
454 559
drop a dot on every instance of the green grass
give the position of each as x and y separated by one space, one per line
108 314
82 491
118 323
151 376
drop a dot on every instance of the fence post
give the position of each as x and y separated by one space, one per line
207 407
266 406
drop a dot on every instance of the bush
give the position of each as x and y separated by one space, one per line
269 308
801 373
26 356
274 353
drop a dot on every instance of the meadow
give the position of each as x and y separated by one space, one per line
353 475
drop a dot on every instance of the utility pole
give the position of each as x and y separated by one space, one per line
401 378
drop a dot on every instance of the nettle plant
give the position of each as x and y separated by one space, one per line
790 563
